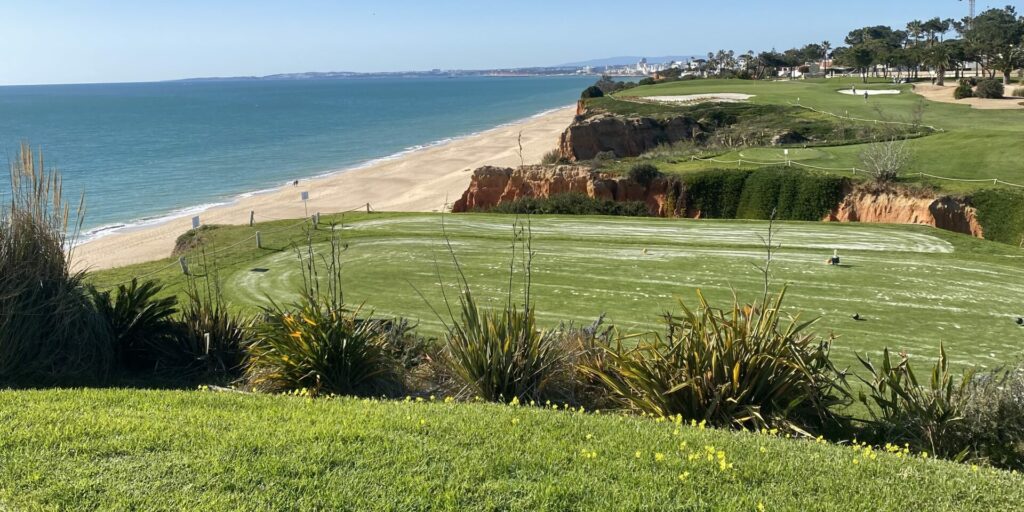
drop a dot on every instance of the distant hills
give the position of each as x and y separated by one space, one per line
627 60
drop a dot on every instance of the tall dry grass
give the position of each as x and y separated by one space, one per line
50 332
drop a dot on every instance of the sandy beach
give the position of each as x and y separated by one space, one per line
419 181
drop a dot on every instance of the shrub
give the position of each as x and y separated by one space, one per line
552 157
592 92
322 348
321 345
501 355
964 90
141 324
643 174
744 367
604 155
990 88
902 410
885 160
993 420
50 332
572 203
647 81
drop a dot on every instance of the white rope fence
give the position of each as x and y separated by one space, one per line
860 119
183 261
853 170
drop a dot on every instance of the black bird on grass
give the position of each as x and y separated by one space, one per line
856 316
1020 321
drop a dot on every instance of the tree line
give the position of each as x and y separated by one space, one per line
994 40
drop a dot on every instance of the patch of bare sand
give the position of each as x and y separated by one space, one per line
944 94
727 97
420 181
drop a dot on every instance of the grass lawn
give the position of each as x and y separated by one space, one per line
191 450
915 286
975 144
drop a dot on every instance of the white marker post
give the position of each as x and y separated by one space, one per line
786 153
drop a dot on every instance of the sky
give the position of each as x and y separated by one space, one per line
84 41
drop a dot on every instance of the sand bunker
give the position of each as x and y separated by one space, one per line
871 92
727 97
944 94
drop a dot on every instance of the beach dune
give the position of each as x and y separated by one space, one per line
419 181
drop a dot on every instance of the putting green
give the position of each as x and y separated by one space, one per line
914 287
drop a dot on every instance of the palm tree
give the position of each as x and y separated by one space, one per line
825 47
937 58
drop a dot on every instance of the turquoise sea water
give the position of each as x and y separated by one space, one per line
144 151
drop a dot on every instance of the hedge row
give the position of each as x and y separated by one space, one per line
1001 214
793 194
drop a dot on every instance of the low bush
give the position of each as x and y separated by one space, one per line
211 339
643 174
604 155
990 88
322 348
50 331
964 90
501 355
141 324
552 157
572 203
743 367
993 418
592 92
904 410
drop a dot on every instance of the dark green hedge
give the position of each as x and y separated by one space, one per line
794 194
1001 214
715 193
572 204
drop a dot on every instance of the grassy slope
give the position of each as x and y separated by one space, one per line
183 450
976 144
926 286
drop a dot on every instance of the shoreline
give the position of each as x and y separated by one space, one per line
420 178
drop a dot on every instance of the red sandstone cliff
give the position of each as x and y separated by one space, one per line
892 207
493 185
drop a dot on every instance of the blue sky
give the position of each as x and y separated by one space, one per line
75 41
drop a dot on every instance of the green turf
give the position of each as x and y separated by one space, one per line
975 144
190 450
915 286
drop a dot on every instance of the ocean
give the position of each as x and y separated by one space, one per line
146 151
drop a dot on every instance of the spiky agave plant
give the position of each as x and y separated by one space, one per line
50 333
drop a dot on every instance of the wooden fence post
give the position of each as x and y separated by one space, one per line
259 242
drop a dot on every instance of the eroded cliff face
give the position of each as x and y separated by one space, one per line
624 136
893 207
493 185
